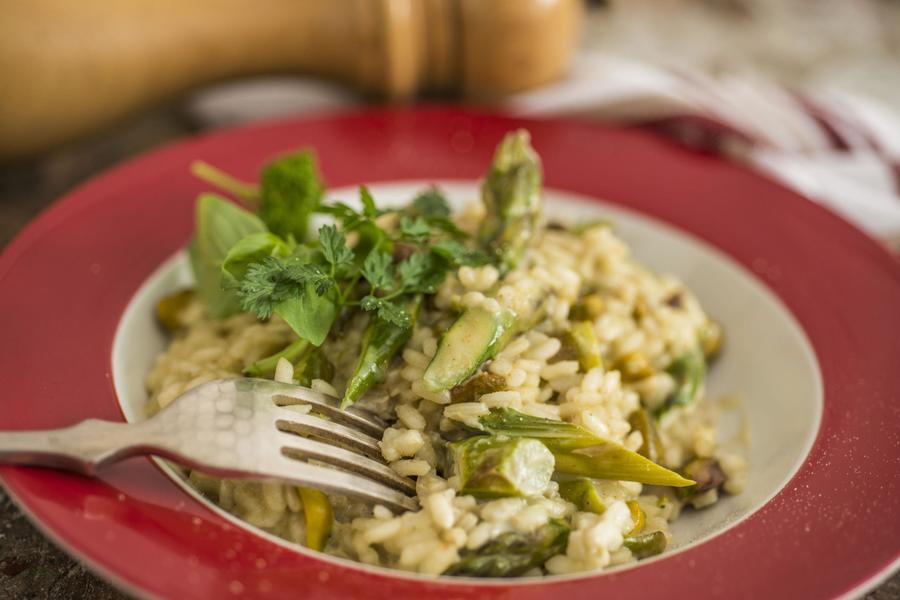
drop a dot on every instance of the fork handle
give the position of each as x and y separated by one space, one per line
81 448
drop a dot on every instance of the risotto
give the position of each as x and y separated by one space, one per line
544 390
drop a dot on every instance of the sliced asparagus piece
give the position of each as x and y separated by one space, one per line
689 371
513 553
583 340
492 466
583 494
648 544
478 335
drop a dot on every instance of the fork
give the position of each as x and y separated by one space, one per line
239 429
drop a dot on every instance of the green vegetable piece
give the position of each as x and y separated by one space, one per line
648 544
491 466
319 517
219 226
651 446
250 249
475 387
511 193
512 553
583 494
612 461
638 517
313 365
711 340
579 452
478 335
582 338
381 342
290 191
689 372
266 367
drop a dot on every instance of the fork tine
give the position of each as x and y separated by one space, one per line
286 395
301 448
292 422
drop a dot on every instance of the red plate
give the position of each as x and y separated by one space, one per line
64 282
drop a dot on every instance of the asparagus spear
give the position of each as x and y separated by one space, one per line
513 553
381 342
511 193
313 365
689 371
648 544
583 494
579 452
491 466
583 340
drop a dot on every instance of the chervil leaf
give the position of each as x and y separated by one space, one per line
378 270
290 191
368 202
416 229
458 255
431 203
447 226
335 249
413 269
387 310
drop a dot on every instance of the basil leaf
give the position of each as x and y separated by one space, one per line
309 314
219 226
248 250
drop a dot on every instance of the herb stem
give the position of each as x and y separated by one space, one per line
245 192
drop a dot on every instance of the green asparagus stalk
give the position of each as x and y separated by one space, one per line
513 553
491 466
511 193
314 365
583 340
579 452
648 544
583 494
381 342
266 366
689 372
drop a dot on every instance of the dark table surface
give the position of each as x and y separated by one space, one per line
30 566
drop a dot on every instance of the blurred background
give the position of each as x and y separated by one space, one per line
804 91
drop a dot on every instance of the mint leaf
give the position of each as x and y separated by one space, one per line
220 224
290 191
250 249
378 270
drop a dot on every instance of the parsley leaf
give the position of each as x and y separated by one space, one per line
430 204
290 191
416 229
387 311
378 270
335 249
458 255
413 270
368 202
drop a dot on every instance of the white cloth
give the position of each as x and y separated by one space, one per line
837 148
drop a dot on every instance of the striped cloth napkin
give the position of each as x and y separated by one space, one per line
837 148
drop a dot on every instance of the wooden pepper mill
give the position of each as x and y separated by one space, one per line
71 67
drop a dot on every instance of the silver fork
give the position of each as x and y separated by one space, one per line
239 429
